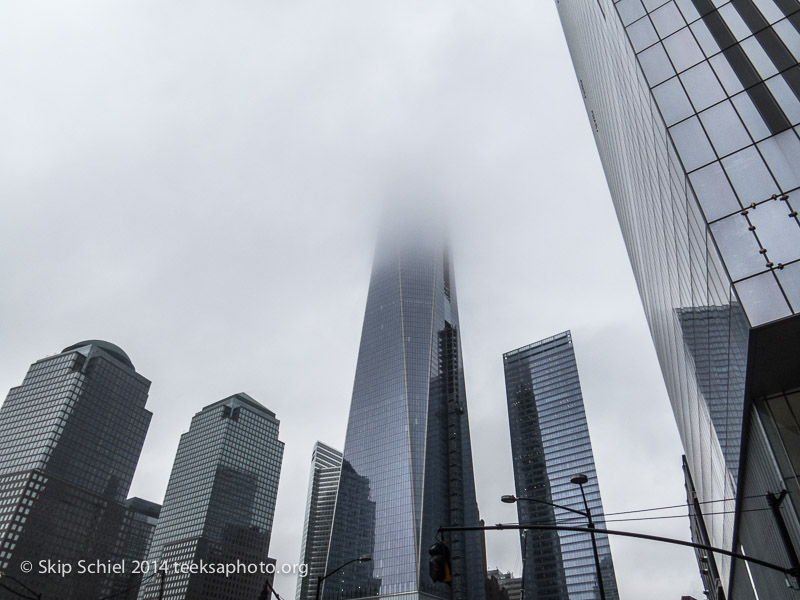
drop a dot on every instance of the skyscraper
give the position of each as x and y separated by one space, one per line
407 465
139 524
695 110
326 467
219 503
550 445
70 438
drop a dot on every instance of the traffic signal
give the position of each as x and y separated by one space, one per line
440 562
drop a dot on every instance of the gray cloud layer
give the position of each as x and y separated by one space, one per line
199 183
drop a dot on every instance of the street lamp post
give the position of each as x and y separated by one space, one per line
322 578
579 479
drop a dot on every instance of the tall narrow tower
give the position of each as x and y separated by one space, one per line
407 465
326 468
550 445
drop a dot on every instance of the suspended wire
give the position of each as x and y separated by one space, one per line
570 520
684 505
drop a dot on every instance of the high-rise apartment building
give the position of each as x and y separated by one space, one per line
70 438
407 467
695 106
326 467
550 445
219 504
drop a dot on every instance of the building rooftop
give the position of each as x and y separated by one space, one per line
106 347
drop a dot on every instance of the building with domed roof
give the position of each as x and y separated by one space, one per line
70 438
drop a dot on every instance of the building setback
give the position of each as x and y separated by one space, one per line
219 503
407 465
550 445
70 438
326 467
695 107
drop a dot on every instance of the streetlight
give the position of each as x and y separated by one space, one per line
580 479
360 559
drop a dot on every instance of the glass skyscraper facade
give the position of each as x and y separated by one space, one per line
326 467
70 438
219 503
139 524
550 445
407 467
695 106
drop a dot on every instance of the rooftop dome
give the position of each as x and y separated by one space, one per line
107 347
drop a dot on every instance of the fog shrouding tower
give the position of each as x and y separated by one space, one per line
70 438
550 445
695 107
326 467
407 458
219 503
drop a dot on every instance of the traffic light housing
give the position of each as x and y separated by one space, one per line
440 562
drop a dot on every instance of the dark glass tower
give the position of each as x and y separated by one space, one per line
70 438
695 107
326 468
550 444
219 503
139 524
407 459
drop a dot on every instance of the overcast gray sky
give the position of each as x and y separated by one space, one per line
198 182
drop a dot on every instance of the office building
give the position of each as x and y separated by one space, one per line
407 466
133 545
510 587
326 467
70 438
550 445
694 105
219 503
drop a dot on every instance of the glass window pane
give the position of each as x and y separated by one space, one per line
630 10
782 153
683 50
642 34
726 74
702 86
762 299
688 9
714 192
653 4
738 246
751 117
692 144
667 19
787 32
734 22
725 128
672 101
656 65
704 37
749 176
789 278
779 233
770 11
785 97
761 61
